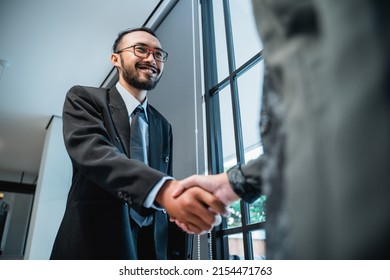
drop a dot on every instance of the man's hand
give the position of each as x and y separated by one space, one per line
218 185
195 209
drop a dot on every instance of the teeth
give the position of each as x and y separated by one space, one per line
148 70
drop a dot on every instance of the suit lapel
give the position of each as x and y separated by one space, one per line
120 118
154 140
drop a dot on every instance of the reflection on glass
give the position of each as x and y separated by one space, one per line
258 244
245 37
257 210
220 41
236 247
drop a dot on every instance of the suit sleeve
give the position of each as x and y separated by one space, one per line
246 179
92 152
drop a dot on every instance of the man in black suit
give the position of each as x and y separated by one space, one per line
116 207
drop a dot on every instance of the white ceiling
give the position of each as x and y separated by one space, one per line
52 45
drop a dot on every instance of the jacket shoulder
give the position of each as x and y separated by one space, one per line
86 96
85 91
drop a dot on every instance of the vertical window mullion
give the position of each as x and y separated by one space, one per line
214 138
236 119
215 159
247 239
213 97
233 85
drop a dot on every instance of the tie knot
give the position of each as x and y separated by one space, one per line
138 109
139 112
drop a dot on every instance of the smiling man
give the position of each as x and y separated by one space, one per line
121 151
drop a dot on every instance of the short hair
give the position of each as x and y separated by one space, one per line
127 31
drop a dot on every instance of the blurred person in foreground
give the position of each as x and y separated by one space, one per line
326 109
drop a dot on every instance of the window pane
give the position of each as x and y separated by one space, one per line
257 210
227 128
258 244
220 41
245 37
250 86
234 220
236 247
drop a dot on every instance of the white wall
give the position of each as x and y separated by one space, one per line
51 192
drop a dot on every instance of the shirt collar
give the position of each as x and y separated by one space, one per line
130 101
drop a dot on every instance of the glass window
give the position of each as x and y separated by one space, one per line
258 244
250 86
234 220
257 210
236 247
227 128
220 40
236 108
243 24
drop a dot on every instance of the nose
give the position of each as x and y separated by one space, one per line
150 57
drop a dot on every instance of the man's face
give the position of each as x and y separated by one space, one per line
141 73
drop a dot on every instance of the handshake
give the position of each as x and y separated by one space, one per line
196 203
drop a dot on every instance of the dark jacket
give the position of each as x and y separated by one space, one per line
106 183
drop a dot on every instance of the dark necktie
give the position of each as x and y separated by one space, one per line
137 152
136 143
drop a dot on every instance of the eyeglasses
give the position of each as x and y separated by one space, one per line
144 51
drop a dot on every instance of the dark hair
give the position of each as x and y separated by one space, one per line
127 31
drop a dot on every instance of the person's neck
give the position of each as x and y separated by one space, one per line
139 94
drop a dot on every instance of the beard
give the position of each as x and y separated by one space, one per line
133 79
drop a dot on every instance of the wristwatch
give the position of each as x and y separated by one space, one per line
237 180
247 188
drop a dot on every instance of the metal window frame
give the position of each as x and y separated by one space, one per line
213 122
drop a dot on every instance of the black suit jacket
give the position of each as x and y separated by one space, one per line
106 183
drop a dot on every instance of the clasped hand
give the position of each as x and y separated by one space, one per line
196 203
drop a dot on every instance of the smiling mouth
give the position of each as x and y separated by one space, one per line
148 69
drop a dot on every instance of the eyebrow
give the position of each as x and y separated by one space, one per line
143 44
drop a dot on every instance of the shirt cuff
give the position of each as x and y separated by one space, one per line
150 199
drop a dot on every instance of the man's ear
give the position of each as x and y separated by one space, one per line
115 59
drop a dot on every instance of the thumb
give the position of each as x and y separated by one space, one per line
184 184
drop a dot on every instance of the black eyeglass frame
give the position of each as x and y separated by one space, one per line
149 50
